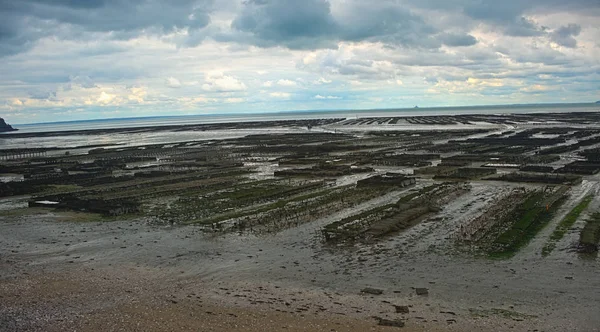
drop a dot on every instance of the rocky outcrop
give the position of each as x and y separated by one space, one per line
4 127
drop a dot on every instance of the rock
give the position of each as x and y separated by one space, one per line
4 127
422 291
373 291
390 322
402 309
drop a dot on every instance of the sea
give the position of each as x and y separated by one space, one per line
75 143
292 115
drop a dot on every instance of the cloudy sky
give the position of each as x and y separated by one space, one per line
88 59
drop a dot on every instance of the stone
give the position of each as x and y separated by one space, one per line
422 291
402 309
372 291
390 322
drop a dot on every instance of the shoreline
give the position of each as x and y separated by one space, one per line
244 121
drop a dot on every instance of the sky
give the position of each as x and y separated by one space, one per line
71 60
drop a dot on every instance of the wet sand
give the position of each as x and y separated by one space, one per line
125 300
131 275
68 271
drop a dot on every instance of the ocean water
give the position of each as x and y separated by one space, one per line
71 142
229 118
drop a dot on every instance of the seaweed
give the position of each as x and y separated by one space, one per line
565 224
590 235
529 218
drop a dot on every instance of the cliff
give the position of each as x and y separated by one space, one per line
4 127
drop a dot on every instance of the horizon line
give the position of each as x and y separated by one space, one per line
416 107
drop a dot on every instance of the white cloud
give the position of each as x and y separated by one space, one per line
234 100
191 102
16 102
74 96
267 84
105 98
281 95
137 94
284 82
327 97
472 85
537 88
172 82
322 81
222 83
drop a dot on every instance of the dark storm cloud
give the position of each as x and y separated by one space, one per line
286 19
387 22
507 16
507 12
294 24
25 21
452 39
310 24
15 34
510 16
87 4
564 35
83 81
42 94
117 15
306 24
523 27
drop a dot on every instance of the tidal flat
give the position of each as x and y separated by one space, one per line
416 223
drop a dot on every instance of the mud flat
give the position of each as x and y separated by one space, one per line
382 220
590 235
284 225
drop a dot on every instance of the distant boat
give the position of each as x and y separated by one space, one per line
416 106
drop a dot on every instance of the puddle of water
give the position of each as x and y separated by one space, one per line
11 177
12 203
